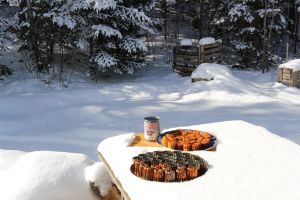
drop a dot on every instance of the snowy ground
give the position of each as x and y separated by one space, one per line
76 119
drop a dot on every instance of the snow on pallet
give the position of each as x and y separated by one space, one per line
188 55
289 73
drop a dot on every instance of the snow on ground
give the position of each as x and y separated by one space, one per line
75 119
210 71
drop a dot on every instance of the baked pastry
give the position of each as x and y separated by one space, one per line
168 166
186 140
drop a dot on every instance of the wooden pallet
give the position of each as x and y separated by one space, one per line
288 77
187 58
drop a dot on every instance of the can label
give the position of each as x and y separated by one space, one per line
151 128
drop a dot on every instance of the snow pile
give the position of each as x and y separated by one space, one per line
186 42
245 158
98 175
49 175
209 71
292 64
207 40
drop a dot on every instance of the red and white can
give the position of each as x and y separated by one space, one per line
151 128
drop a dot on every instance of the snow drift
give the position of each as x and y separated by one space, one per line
45 175
210 71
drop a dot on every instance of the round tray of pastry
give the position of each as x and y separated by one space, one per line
187 140
168 166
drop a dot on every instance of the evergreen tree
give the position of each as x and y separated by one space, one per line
114 34
44 25
112 31
8 24
243 22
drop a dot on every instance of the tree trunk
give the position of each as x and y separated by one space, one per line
201 19
264 60
270 32
34 38
296 28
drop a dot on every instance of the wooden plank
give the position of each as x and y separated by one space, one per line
115 179
213 50
186 61
184 65
139 141
211 57
213 47
286 70
186 47
217 44
187 57
186 51
200 79
280 75
184 69
286 76
113 193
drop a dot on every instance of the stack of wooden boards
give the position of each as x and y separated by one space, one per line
289 73
187 58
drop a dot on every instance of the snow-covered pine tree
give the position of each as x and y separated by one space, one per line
8 26
8 23
44 25
245 23
112 31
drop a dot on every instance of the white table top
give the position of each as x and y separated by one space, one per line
250 163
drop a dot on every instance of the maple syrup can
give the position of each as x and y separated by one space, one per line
151 128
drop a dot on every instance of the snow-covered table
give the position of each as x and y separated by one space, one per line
250 163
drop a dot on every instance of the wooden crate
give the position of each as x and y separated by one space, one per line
288 77
211 53
112 194
187 58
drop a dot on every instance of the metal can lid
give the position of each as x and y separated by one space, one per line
152 118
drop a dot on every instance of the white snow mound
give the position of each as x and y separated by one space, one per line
207 40
98 175
44 176
292 64
186 42
210 71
